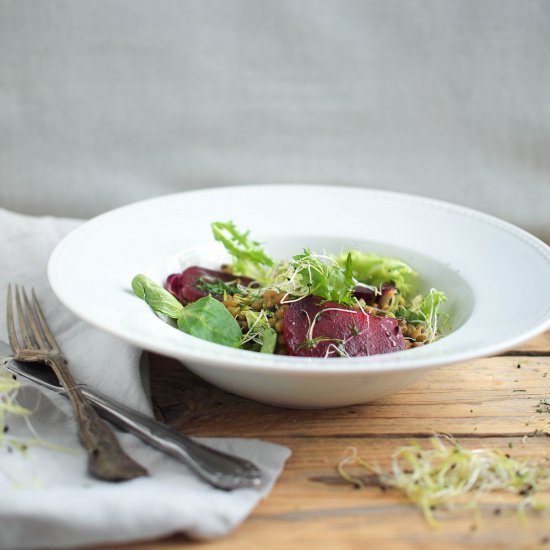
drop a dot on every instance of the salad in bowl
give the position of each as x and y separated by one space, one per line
351 304
474 259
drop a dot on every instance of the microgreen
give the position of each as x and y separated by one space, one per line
310 343
449 477
8 404
543 406
339 350
9 409
424 311
316 274
260 335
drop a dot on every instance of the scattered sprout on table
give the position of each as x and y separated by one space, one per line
9 441
449 477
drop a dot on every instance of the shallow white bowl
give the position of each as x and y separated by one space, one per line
495 275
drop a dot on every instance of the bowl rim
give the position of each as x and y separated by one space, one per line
207 353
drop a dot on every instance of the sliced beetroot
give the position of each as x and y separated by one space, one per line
337 330
189 285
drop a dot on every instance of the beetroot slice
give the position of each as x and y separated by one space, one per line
335 325
184 285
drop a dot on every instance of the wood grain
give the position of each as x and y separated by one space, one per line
486 403
485 398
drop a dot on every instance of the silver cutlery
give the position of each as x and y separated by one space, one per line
219 469
35 343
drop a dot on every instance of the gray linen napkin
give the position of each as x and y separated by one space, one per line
47 499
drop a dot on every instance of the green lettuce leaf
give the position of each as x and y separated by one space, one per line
249 259
269 340
376 270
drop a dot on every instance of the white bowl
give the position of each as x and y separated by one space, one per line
494 274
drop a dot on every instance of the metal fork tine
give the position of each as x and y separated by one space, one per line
44 325
34 342
22 320
31 315
12 335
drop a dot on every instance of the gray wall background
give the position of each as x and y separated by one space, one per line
103 103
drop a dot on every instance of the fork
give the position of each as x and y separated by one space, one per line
36 343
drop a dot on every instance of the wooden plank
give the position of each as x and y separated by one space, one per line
485 397
181 396
312 507
486 403
540 345
382 527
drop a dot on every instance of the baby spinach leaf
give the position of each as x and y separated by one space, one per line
209 319
158 298
206 318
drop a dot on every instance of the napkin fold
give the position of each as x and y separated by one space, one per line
47 497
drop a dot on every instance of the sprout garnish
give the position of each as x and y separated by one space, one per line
316 274
448 477
9 409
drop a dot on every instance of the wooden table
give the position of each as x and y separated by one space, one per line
487 403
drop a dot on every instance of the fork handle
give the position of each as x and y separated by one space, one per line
107 460
219 469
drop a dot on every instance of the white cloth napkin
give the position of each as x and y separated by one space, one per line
47 499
